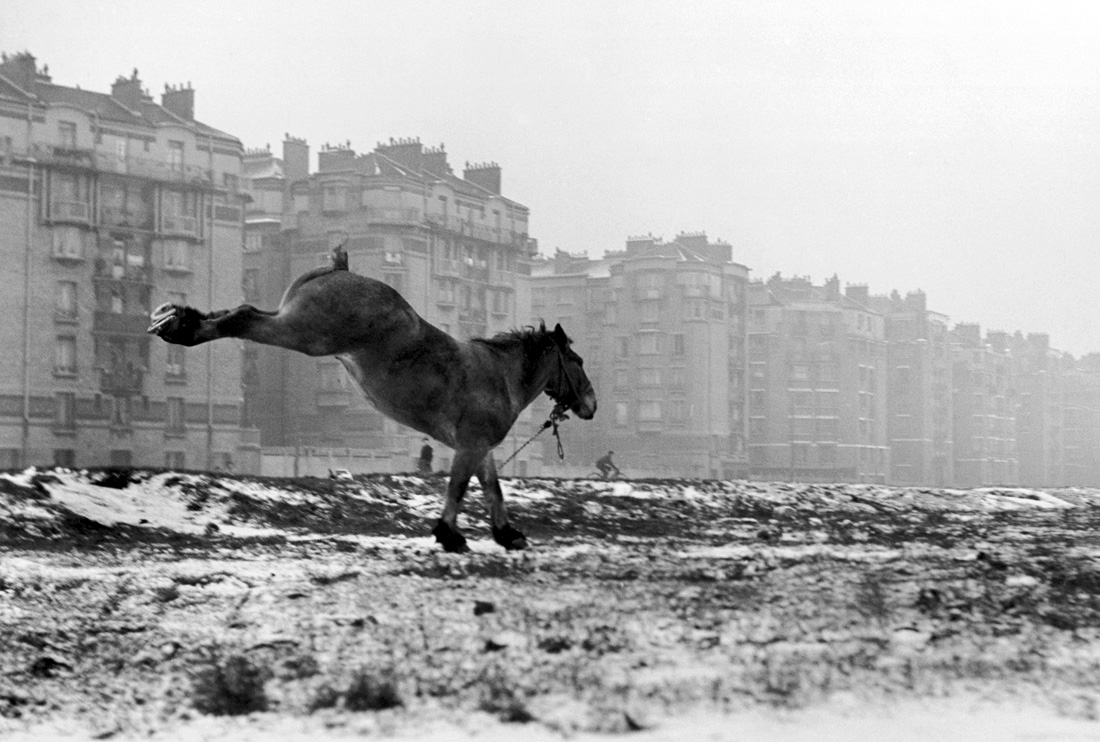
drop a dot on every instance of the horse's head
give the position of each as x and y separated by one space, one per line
569 385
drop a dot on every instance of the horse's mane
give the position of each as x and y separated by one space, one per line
528 338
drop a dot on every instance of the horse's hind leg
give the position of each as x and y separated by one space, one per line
446 529
504 533
188 326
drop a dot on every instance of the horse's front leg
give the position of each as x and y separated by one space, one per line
446 529
503 532
188 326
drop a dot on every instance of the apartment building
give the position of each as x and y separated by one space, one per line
984 413
817 383
109 205
919 362
661 326
455 247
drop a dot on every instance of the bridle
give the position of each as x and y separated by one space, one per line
558 414
557 395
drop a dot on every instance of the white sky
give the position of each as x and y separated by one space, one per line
949 146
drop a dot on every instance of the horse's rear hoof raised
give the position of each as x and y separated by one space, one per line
452 541
510 538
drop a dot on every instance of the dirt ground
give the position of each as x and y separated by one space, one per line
185 606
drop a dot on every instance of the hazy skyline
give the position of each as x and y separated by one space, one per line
951 147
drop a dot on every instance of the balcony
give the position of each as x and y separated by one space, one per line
332 398
94 160
110 323
393 216
77 212
179 225
107 271
121 381
112 216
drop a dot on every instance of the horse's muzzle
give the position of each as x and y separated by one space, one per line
585 407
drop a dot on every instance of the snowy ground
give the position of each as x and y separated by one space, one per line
186 606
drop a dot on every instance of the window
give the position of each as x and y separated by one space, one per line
757 400
650 311
623 349
175 156
66 131
175 363
676 378
175 460
678 344
446 292
649 410
393 257
622 378
65 306
175 421
622 413
65 411
250 285
649 377
64 457
68 243
120 412
826 454
65 355
827 428
177 255
678 410
648 343
253 241
802 428
827 372
800 454
800 372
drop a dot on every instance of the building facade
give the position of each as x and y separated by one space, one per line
984 413
661 326
817 383
919 362
111 204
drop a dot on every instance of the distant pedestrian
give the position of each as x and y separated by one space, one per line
424 463
605 465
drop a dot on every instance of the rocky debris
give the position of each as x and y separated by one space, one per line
654 597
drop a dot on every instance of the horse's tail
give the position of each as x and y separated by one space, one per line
339 263
339 258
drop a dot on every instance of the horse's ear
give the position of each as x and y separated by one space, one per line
560 337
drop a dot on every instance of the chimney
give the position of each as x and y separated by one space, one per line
998 340
179 101
635 245
916 301
295 158
486 175
434 160
832 287
969 334
20 69
405 152
335 158
858 292
128 91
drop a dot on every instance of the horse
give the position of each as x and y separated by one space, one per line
466 395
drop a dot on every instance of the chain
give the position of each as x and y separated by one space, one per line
556 416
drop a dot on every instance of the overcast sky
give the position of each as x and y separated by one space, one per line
948 146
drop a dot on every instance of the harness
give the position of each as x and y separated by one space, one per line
557 415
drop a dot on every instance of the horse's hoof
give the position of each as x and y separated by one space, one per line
451 540
174 324
510 538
